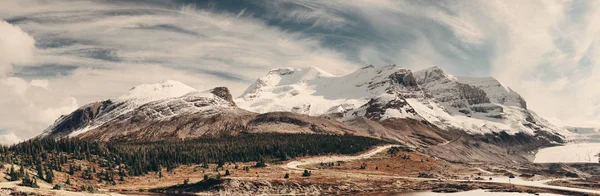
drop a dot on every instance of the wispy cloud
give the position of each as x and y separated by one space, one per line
547 50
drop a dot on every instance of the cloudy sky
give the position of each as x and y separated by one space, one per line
56 55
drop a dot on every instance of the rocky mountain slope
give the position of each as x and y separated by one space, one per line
96 114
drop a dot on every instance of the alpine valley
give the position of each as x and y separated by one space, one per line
379 129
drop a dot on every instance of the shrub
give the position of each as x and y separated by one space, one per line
306 173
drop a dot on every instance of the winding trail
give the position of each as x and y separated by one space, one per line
295 165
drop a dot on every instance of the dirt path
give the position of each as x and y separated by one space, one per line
295 165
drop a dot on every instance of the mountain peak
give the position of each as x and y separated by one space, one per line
432 74
303 73
156 91
285 76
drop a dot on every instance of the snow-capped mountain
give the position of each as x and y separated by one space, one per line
143 109
192 114
314 92
474 105
96 114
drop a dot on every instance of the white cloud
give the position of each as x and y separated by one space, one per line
16 46
27 107
541 58
40 83
9 138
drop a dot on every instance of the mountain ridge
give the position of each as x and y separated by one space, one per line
377 93
439 114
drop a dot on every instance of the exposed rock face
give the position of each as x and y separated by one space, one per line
223 93
80 117
382 108
405 78
472 95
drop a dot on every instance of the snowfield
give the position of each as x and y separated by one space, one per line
570 153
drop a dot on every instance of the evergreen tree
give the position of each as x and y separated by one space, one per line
40 172
29 181
287 175
49 176
71 170
227 173
21 170
14 176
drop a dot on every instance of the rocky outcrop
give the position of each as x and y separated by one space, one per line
223 93
472 95
383 108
